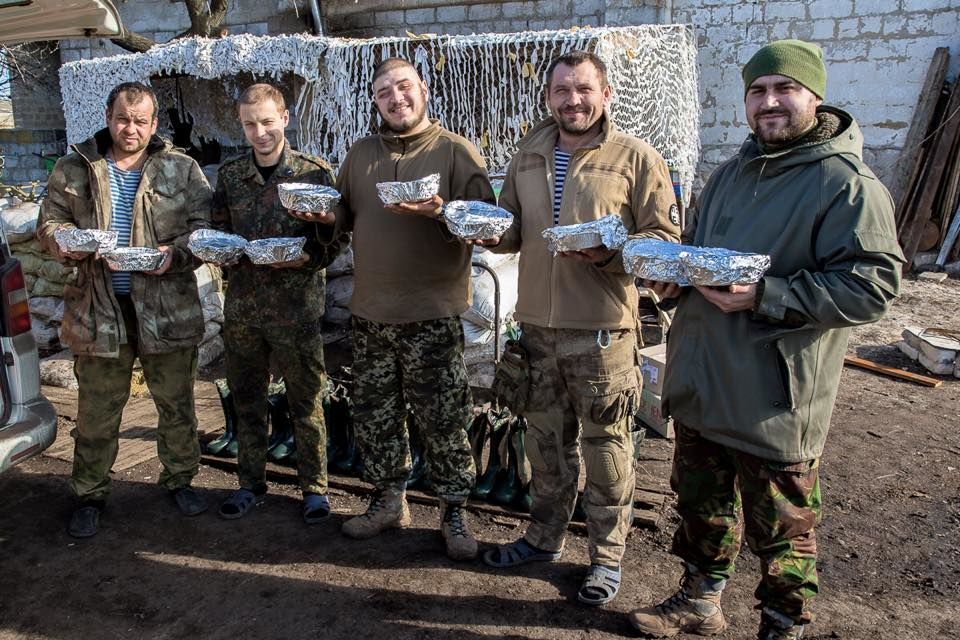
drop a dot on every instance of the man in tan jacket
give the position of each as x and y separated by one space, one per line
578 315
411 283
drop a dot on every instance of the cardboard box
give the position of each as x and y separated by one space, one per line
653 366
651 415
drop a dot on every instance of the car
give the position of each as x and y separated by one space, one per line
28 422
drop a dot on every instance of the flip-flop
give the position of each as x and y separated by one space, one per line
517 553
316 508
600 586
239 504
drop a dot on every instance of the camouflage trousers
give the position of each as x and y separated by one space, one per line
420 365
780 503
297 354
582 398
104 388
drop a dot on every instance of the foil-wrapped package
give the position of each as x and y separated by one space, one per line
607 231
133 258
476 220
413 191
274 250
664 261
301 196
716 267
657 260
85 240
211 245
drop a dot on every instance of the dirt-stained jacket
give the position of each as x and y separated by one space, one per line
173 199
765 382
613 174
260 295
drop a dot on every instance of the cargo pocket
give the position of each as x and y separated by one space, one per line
511 382
79 327
607 401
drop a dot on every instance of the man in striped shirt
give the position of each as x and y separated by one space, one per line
128 180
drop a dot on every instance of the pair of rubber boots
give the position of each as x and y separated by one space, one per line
506 477
695 608
343 455
388 509
225 446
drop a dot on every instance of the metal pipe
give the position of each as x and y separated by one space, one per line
315 12
496 308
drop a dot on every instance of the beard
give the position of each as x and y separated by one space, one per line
403 126
576 128
797 124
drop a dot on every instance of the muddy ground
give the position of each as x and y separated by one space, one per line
889 544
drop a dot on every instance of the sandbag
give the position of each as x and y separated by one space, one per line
212 307
53 271
30 246
20 221
30 264
44 333
210 331
43 287
208 352
46 308
339 316
339 291
474 335
491 259
342 265
57 371
481 311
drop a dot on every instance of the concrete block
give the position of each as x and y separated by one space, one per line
872 7
779 30
483 12
588 7
830 9
515 9
894 24
919 24
455 13
390 18
946 23
783 11
419 16
257 29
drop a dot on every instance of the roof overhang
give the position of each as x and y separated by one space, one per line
32 20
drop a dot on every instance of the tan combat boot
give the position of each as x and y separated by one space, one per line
692 609
461 545
388 510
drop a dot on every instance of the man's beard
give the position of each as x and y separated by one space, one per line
418 117
797 125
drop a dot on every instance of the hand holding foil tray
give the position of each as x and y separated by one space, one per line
663 261
274 250
134 258
85 240
607 231
215 246
313 198
413 191
476 220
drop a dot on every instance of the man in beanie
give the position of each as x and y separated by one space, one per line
754 368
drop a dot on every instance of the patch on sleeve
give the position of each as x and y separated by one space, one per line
675 214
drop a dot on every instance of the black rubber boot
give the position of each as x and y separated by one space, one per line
218 447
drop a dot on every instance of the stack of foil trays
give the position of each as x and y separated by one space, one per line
663 261
274 250
215 246
85 240
607 231
134 258
413 191
301 196
476 220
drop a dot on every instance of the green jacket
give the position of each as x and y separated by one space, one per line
765 382
173 199
244 204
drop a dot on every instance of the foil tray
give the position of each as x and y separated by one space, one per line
476 220
663 261
215 246
413 191
133 258
301 196
607 231
85 240
274 250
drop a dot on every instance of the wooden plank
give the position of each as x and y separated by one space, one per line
920 124
876 367
648 498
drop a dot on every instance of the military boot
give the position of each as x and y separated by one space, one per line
776 626
388 510
694 608
461 545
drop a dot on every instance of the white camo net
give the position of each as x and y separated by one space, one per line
487 87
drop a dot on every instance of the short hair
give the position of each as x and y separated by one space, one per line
575 58
261 92
390 64
133 92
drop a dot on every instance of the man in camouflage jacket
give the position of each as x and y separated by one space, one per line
158 319
274 310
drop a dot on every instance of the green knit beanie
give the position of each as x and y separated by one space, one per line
802 61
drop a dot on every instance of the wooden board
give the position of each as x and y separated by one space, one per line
876 367
138 434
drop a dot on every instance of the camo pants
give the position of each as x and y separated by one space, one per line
582 398
419 364
780 506
297 352
104 388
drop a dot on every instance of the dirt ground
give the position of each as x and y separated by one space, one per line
889 544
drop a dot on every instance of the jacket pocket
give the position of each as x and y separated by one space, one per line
79 325
165 208
176 308
606 401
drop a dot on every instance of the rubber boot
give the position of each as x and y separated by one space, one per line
387 510
477 436
508 487
216 447
694 608
280 445
487 481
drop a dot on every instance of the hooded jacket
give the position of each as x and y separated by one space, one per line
613 174
173 199
765 382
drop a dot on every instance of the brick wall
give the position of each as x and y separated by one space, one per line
20 149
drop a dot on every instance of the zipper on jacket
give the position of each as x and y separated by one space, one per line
756 186
551 177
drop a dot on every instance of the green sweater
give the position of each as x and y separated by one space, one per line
765 382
